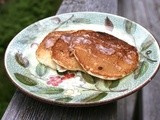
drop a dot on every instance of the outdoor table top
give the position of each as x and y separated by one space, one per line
23 107
144 107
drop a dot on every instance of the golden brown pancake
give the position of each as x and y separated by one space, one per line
105 56
99 54
62 55
43 52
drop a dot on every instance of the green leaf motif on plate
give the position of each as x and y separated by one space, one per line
95 97
88 78
144 46
114 84
147 43
50 90
147 57
21 60
25 80
63 22
64 99
130 27
143 67
41 69
102 85
56 20
109 25
81 20
107 83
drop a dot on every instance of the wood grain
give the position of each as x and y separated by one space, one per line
109 6
126 106
23 107
146 13
150 103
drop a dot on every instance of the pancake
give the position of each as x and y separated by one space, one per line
105 56
62 55
43 53
96 53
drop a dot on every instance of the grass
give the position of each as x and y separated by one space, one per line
14 16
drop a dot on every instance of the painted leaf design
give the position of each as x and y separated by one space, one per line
109 25
114 84
81 20
50 90
148 52
147 57
143 67
41 69
150 60
64 22
130 27
101 85
64 99
25 80
88 78
107 83
34 45
21 60
56 20
147 43
95 97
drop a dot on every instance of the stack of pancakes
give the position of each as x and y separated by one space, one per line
96 53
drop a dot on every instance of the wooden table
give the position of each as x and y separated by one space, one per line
145 12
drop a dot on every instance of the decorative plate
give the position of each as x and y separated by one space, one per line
75 88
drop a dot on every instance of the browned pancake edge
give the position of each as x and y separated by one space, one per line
107 57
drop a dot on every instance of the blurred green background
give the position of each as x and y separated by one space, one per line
15 15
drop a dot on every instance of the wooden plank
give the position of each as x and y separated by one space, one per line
126 106
24 107
150 94
109 6
146 13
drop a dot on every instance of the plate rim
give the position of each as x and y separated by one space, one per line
79 104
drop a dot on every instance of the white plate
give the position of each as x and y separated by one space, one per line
39 81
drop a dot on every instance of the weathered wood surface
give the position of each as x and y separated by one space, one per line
109 6
126 106
146 13
23 107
